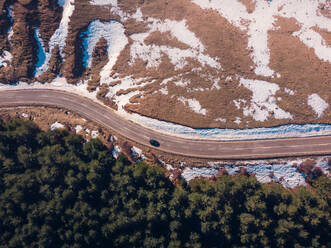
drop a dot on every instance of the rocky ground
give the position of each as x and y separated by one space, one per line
204 64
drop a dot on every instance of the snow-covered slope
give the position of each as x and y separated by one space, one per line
212 65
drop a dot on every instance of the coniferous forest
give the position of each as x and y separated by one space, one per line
58 191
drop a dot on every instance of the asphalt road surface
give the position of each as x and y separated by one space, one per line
253 149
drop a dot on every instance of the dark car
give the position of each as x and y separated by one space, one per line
154 142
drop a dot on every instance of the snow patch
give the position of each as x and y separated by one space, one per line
182 83
263 101
238 103
152 54
178 30
262 20
10 34
60 35
126 83
56 125
194 105
317 104
237 120
164 91
190 173
94 134
78 128
221 120
138 15
285 131
289 91
284 172
104 2
137 152
116 151
41 52
323 163
113 32
216 85
5 58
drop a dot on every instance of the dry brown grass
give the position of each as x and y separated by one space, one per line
250 5
299 67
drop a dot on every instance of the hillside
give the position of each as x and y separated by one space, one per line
199 63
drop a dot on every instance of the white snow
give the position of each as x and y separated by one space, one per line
284 171
228 78
221 120
113 32
284 131
10 34
194 105
216 85
60 35
263 101
323 163
78 128
314 40
137 152
58 83
164 91
10 15
104 2
94 134
178 30
5 57
126 83
190 173
41 53
138 15
182 83
152 54
262 20
264 171
317 104
290 175
289 91
238 102
116 151
237 120
118 43
56 125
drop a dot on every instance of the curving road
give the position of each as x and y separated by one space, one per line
106 117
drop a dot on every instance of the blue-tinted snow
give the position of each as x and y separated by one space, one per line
97 30
284 173
41 51
60 35
284 131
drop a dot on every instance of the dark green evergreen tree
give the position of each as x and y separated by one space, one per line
58 191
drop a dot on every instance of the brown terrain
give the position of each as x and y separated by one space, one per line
215 89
